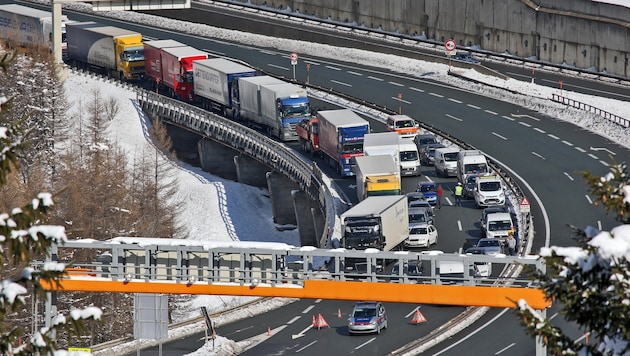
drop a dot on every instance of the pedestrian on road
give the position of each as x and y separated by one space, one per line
439 191
511 244
459 190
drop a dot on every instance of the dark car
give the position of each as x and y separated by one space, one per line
367 317
427 153
421 140
469 186
465 57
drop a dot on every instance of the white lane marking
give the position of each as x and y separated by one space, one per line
306 346
459 225
404 101
340 83
604 163
569 176
308 309
354 73
602 149
416 89
593 156
448 201
333 68
294 320
505 349
301 333
527 116
473 106
437 95
455 100
279 67
539 130
499 136
453 117
589 199
365 343
580 149
318 301
491 112
509 118
524 124
554 137
396 84
375 78
599 225
411 312
567 143
538 155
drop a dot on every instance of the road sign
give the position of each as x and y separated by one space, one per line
450 45
525 207
294 58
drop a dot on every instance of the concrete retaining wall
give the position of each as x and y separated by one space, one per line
580 33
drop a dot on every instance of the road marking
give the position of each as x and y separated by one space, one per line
567 143
411 312
537 155
580 149
599 225
340 83
437 95
239 331
509 118
448 201
527 116
604 163
459 225
568 176
505 349
453 117
554 137
293 320
365 343
301 333
524 124
375 78
404 101
308 309
455 100
593 156
499 136
589 199
309 345
539 130
396 84
491 112
258 339
602 149
416 89
333 68
355 73
279 67
473 106
311 62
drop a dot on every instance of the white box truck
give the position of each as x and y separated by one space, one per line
409 157
379 222
376 175
382 143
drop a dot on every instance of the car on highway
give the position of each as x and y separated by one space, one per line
428 189
487 246
489 210
421 140
367 317
489 190
419 215
427 153
421 235
469 187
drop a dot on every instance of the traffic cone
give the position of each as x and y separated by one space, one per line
320 322
418 318
269 331
339 313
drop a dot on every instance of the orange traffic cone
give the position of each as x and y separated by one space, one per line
269 331
339 313
320 322
418 318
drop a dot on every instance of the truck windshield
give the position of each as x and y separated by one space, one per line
133 54
352 147
296 110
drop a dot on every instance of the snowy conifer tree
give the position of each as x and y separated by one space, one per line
23 234
590 281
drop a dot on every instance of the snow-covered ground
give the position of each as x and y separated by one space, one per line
215 207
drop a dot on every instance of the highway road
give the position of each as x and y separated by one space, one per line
544 152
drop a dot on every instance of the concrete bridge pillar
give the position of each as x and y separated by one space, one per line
305 214
217 159
280 188
251 172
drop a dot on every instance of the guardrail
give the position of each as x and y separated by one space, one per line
583 106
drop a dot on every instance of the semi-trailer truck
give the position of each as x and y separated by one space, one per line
308 133
380 222
377 175
28 27
170 67
274 105
216 84
114 51
341 134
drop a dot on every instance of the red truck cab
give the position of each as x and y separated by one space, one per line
308 134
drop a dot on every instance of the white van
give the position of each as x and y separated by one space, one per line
498 225
409 157
446 161
470 162
402 124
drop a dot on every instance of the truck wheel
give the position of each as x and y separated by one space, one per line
310 149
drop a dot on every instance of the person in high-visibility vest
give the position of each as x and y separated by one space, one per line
459 190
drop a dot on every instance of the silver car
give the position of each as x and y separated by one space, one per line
367 317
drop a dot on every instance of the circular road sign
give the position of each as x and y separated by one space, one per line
294 57
450 45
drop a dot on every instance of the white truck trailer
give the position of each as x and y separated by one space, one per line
380 222
377 175
382 143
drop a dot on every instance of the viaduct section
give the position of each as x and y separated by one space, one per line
581 33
